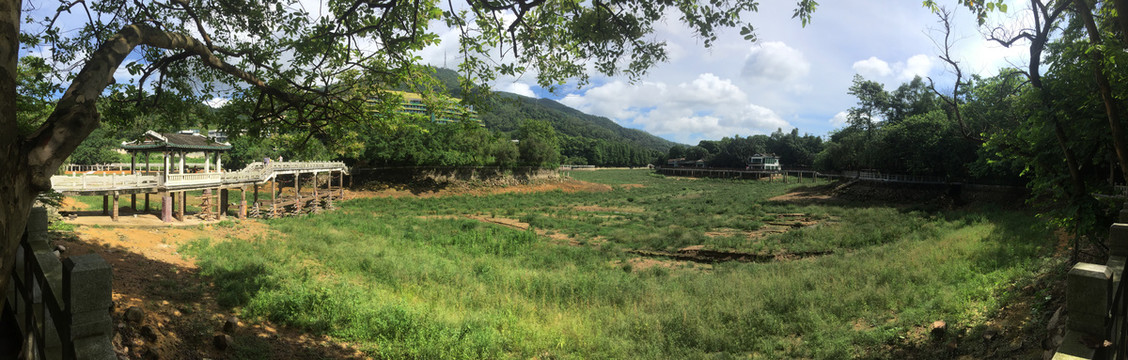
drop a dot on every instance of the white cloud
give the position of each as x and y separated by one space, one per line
775 63
872 68
839 119
518 88
708 107
217 102
918 65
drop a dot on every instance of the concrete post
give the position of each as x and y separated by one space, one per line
298 191
133 202
1118 239
114 214
105 205
243 203
273 196
132 163
222 205
146 202
87 292
218 162
181 162
166 207
342 184
1088 298
314 186
207 162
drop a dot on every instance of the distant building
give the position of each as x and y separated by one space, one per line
413 104
217 136
766 162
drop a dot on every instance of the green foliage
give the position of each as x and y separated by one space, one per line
98 148
538 144
412 278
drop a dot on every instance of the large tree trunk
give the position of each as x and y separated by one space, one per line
1112 111
16 195
27 162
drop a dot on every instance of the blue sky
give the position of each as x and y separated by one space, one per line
792 77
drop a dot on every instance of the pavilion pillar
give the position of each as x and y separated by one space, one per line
148 168
132 163
166 207
218 162
207 162
256 195
114 214
105 205
181 163
341 184
329 188
243 202
315 186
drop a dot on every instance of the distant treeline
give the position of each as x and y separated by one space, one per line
794 151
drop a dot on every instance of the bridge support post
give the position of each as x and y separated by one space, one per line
133 202
243 203
105 205
298 192
273 197
114 214
166 207
146 202
222 204
180 205
314 189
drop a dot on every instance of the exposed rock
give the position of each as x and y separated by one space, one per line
1055 320
149 333
230 324
61 248
938 329
990 334
223 341
134 314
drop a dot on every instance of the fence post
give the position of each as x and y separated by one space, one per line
87 291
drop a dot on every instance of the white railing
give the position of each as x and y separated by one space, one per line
103 182
252 173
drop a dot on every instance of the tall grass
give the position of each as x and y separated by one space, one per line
402 284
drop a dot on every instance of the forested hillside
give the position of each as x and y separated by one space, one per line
584 139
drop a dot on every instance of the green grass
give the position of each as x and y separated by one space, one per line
402 283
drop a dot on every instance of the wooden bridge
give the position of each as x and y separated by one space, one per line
172 186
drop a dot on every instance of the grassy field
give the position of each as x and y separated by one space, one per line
432 278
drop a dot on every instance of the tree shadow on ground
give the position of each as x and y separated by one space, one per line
184 316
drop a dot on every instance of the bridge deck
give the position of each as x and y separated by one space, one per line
257 172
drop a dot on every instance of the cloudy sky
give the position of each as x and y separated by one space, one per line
792 77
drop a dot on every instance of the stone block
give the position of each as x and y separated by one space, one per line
91 323
37 225
87 283
94 348
1118 239
1093 325
1089 289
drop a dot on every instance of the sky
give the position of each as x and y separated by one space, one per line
792 77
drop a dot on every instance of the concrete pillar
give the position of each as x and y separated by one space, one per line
146 202
298 191
1118 239
175 208
166 207
314 186
243 203
105 205
1088 296
132 163
181 162
87 282
207 162
218 162
148 167
133 202
222 205
342 184
273 196
114 214
183 204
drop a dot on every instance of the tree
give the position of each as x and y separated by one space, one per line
299 70
538 144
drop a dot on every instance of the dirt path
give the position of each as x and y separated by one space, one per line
182 317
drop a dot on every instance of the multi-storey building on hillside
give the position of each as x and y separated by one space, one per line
413 104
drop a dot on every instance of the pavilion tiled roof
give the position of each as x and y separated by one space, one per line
153 141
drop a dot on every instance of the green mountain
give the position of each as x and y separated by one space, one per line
594 139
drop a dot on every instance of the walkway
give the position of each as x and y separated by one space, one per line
176 185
